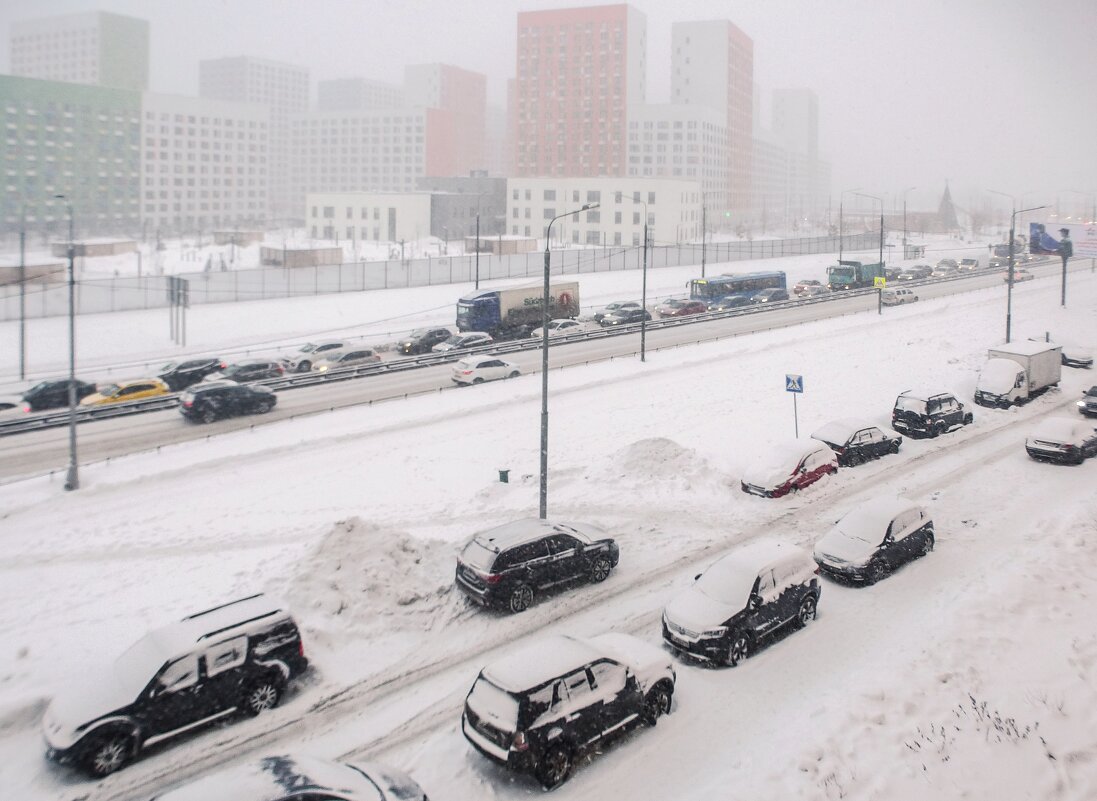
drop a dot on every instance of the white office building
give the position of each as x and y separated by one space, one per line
368 216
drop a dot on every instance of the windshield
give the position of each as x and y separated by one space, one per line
905 403
477 555
308 347
109 389
419 333
168 367
135 668
727 582
840 272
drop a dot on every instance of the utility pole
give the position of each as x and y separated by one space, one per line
478 245
23 295
704 230
72 478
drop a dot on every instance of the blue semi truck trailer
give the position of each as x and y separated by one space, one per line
514 312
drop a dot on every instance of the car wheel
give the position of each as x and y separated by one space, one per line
108 753
304 367
808 610
478 381
894 447
855 458
261 696
265 407
599 569
520 598
514 374
738 649
657 703
927 545
969 419
877 571
208 416
554 766
939 428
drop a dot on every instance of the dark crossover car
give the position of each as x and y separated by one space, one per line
212 400
771 295
1087 406
916 272
251 370
928 414
874 539
504 566
1062 439
180 375
421 340
854 442
729 302
300 778
624 317
616 308
55 394
540 708
232 658
746 595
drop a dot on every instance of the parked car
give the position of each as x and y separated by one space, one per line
813 292
945 268
854 442
564 327
928 413
625 317
1087 406
354 356
209 401
892 273
55 394
800 286
127 391
874 539
236 657
771 295
541 707
300 778
307 354
478 369
678 307
616 308
791 466
915 273
1019 274
744 596
1071 355
180 375
1062 439
471 339
898 296
506 565
969 265
421 340
729 302
250 370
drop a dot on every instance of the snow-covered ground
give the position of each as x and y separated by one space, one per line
970 674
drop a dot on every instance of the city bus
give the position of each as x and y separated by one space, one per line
745 284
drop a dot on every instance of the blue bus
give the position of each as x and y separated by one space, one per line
746 284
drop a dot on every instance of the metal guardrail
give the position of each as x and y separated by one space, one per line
57 418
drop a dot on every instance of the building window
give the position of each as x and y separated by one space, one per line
593 216
651 198
593 238
549 214
617 237
329 213
617 220
550 194
594 197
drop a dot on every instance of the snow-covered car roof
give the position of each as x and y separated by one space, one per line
1061 429
540 662
247 613
872 517
531 528
735 572
839 431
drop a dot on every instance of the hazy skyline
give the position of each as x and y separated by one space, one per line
976 92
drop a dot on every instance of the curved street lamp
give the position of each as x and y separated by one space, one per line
543 511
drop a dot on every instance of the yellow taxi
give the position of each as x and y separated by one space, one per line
127 391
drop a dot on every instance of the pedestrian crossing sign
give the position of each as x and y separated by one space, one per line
794 383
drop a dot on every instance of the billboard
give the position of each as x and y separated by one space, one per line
1084 237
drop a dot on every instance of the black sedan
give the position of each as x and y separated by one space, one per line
55 394
730 302
1062 439
215 399
854 442
180 375
421 340
625 316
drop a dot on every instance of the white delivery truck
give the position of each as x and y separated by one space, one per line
1017 372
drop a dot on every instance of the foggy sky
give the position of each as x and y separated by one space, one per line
984 93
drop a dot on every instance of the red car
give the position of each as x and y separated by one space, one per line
789 467
677 307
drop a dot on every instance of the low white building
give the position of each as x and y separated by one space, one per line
673 208
368 216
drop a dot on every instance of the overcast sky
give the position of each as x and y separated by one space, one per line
988 94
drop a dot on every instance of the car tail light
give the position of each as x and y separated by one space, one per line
817 570
27 408
188 404
300 648
281 369
224 365
521 743
466 372
492 578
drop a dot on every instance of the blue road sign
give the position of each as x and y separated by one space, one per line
794 383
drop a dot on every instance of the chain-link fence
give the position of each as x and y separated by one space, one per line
45 298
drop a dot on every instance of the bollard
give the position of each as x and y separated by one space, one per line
504 475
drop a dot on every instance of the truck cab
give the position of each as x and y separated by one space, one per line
478 311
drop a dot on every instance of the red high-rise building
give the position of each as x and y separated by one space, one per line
578 70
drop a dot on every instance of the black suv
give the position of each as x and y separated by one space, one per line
539 708
232 658
55 394
209 401
748 594
180 375
504 566
252 370
926 414
421 340
1087 406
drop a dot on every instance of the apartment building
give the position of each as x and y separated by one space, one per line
357 94
368 216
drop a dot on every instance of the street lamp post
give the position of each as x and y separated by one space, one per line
72 478
841 229
644 280
23 294
879 290
704 231
543 510
904 193
1009 285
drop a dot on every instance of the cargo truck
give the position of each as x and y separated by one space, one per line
854 275
514 312
1017 372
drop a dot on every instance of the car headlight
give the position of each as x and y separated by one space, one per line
719 631
1081 404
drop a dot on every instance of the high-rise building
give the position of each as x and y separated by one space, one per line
284 88
795 124
713 65
94 48
578 71
357 94
457 103
79 141
791 183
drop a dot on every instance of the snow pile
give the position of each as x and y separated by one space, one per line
365 576
657 465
